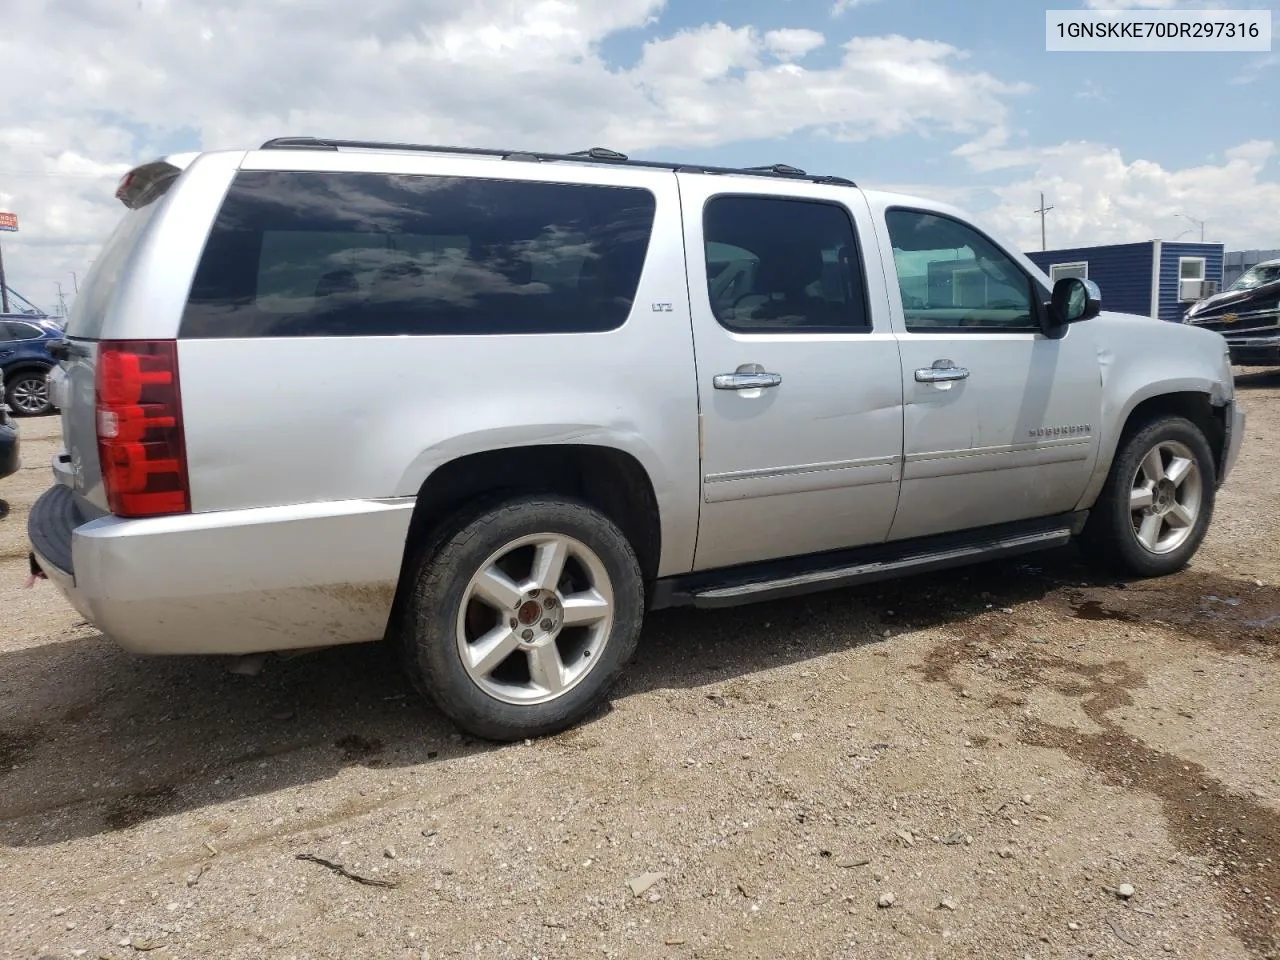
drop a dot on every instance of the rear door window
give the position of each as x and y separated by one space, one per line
781 265
306 254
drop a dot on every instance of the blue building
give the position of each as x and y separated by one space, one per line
1156 278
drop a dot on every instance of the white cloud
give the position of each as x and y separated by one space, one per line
712 86
843 6
793 44
92 86
1099 196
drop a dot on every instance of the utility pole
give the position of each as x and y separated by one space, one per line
75 282
1198 223
1042 211
62 301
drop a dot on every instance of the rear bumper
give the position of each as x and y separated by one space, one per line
229 582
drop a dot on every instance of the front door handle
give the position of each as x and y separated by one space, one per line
942 371
746 381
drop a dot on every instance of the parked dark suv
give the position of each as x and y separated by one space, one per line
25 362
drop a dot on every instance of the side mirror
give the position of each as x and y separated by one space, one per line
1074 300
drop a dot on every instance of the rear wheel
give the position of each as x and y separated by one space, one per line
1155 509
27 393
521 616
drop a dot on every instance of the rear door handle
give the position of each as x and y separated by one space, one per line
746 381
942 371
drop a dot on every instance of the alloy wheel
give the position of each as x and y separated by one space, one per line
1166 497
535 618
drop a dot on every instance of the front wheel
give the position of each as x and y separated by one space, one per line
521 616
1155 508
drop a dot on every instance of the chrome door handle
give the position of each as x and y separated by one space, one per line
746 381
942 371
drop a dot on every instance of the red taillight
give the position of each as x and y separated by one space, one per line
139 413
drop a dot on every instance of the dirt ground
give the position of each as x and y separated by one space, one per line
998 749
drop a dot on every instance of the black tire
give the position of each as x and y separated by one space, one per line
19 386
1110 538
434 600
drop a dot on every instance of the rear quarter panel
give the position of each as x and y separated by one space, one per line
141 297
275 421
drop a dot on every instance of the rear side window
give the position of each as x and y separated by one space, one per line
305 254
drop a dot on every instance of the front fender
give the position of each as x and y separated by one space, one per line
1140 359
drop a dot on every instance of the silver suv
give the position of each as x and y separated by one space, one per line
492 406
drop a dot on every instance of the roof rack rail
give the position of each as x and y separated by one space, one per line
781 169
592 155
601 153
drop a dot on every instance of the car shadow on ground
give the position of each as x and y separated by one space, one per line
93 739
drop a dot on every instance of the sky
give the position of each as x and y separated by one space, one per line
955 101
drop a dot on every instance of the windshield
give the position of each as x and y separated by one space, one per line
1257 276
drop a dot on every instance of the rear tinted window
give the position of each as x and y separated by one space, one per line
298 254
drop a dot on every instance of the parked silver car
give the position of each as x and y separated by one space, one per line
493 406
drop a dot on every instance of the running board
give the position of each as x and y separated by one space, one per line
798 576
